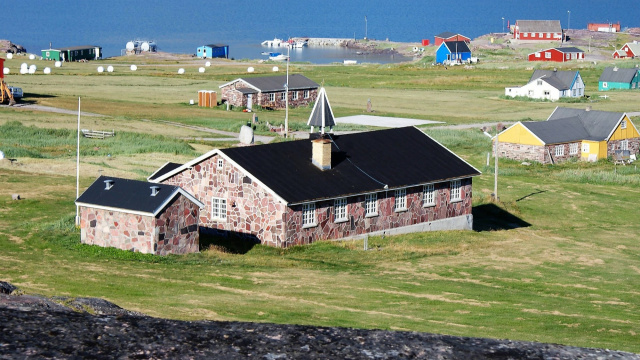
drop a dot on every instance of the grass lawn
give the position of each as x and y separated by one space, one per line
556 261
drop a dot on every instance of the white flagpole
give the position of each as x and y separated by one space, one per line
78 168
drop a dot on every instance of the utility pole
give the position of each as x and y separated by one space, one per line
286 98
495 180
503 24
365 27
568 19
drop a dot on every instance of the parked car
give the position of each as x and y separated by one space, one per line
16 92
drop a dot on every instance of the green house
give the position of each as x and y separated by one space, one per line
74 53
615 78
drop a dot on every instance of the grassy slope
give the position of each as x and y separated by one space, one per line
571 277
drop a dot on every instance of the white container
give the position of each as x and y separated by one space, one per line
58 63
5 71
47 70
32 57
207 64
109 68
201 70
134 68
181 71
275 69
250 69
100 69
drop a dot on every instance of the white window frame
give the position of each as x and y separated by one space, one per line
272 97
585 147
605 85
371 205
294 95
218 209
220 164
340 210
623 124
537 54
539 82
573 148
547 55
309 215
283 96
559 150
400 200
428 195
624 145
455 191
306 94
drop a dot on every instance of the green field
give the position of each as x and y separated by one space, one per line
557 260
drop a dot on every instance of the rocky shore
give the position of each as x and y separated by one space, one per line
63 328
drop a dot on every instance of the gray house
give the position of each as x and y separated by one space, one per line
269 91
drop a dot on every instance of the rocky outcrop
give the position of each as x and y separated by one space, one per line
62 328
9 47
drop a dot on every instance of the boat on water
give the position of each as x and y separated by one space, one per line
278 56
299 44
273 43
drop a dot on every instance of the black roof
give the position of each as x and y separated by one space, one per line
83 47
129 195
446 34
216 45
361 162
276 83
614 74
457 46
569 49
169 166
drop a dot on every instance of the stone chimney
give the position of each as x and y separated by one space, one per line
155 190
321 153
108 184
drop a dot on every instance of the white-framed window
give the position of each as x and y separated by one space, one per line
537 54
547 55
559 150
569 56
539 82
428 195
283 96
371 204
585 147
401 200
574 92
455 190
294 95
220 163
624 145
605 84
272 97
623 124
308 215
306 94
219 209
340 209
573 148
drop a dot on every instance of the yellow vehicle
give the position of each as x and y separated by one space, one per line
5 93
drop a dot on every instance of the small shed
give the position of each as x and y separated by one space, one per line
453 52
213 51
139 216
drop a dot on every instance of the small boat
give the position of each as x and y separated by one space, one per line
277 56
275 42
297 44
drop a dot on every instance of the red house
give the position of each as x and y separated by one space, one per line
562 54
449 36
604 27
629 50
540 30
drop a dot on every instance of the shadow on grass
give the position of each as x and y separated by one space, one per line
489 217
227 241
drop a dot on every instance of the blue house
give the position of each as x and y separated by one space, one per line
453 51
213 51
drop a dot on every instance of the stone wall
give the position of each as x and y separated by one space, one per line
251 210
387 218
237 98
613 145
522 152
117 229
177 228
550 149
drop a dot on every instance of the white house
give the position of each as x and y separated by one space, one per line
550 84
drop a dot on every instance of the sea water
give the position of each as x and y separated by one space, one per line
182 26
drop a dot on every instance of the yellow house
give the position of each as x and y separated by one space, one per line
570 133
